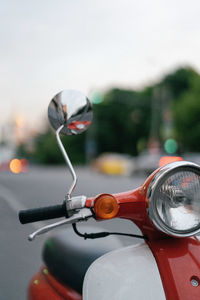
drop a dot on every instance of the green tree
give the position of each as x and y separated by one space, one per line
187 117
121 120
46 150
179 81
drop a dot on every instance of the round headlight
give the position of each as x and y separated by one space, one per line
174 199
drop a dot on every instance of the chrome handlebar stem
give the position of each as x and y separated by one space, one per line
68 162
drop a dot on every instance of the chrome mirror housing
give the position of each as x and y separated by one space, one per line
72 110
69 113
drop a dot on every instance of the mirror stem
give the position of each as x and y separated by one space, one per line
67 161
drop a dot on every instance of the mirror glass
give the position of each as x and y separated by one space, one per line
72 109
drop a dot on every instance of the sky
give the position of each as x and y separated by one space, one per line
50 45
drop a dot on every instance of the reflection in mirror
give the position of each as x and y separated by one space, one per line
71 109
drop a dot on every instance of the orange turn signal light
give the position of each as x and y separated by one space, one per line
106 206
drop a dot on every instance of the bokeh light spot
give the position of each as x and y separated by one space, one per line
45 271
19 122
169 159
96 97
171 146
15 166
24 165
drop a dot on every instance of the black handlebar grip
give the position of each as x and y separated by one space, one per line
42 213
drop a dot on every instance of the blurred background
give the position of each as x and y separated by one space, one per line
139 64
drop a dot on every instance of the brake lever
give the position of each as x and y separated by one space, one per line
82 215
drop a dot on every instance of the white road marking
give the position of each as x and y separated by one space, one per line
15 205
11 200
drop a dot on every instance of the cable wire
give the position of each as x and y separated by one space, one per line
104 234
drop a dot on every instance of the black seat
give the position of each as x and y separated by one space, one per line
68 256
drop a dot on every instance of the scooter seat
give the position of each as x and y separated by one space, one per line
68 256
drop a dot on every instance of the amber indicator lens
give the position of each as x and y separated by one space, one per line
106 207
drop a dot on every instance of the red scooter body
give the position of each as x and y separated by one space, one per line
178 259
166 208
44 286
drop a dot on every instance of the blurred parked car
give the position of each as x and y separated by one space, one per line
193 157
147 161
115 164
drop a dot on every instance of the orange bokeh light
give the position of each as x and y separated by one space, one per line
24 165
15 166
169 159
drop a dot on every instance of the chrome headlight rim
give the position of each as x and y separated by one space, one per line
153 188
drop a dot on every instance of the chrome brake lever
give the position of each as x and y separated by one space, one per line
82 215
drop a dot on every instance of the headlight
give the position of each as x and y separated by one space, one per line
174 199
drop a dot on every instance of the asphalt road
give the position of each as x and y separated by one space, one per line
19 258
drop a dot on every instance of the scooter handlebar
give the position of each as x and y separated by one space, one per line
42 213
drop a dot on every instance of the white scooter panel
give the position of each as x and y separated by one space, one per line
127 273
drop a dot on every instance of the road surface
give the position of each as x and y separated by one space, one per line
19 258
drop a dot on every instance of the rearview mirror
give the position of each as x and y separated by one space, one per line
72 110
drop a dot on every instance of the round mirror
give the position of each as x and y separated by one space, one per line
72 109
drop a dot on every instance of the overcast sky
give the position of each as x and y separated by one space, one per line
50 45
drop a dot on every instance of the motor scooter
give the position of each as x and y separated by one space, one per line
166 208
